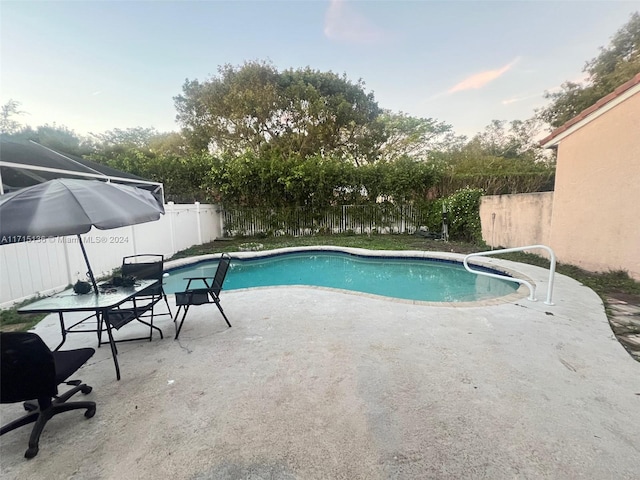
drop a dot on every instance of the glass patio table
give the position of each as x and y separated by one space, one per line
102 304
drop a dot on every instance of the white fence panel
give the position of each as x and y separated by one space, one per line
33 267
103 248
153 237
184 226
210 223
43 267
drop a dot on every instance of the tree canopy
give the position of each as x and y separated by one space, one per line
513 140
254 136
256 108
418 138
615 64
8 124
56 137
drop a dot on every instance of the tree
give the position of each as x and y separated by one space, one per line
56 137
128 142
138 137
402 180
171 143
255 108
232 112
615 64
63 139
404 135
8 125
329 115
515 140
162 157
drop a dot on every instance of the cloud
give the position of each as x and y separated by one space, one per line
479 80
344 24
99 92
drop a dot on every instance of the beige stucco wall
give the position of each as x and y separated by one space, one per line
596 212
517 220
592 220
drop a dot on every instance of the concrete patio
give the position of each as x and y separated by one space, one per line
318 384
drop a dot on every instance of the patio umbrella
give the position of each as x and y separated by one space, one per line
64 206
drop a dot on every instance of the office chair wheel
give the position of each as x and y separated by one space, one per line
90 412
30 406
86 389
31 452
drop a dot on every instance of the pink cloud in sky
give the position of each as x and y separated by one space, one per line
344 24
479 80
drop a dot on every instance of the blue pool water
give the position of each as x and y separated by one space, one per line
406 278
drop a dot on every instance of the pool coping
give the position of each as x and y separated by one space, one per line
492 264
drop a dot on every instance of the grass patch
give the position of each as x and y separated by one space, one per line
12 321
371 242
605 284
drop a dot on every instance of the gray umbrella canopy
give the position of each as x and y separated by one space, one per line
70 207
65 206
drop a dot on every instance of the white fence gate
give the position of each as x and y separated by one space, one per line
45 266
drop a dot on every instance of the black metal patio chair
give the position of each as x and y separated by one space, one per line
142 305
201 296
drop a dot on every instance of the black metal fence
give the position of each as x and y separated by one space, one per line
299 221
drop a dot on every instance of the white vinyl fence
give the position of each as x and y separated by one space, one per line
48 265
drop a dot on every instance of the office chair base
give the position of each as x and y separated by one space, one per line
31 406
40 416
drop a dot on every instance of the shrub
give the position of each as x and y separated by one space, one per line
464 215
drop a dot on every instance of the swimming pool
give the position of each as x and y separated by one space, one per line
418 279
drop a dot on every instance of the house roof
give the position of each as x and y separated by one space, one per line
607 102
23 164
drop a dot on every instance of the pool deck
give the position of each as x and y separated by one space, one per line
315 384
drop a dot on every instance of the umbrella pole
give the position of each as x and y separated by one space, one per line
86 260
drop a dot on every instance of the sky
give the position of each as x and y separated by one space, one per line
94 66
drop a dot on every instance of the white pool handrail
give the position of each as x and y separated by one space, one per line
532 288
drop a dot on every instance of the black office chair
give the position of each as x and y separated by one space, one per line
30 371
200 296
